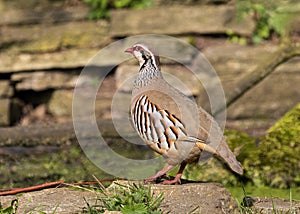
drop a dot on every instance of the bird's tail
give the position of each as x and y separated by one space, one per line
227 155
224 152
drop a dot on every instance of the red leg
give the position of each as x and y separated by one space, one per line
159 173
176 180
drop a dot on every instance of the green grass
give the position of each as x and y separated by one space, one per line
271 17
10 209
244 197
264 191
132 198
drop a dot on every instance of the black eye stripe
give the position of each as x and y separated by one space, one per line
143 52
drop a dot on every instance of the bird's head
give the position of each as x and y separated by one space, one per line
144 55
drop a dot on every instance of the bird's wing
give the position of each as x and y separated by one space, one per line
156 125
172 100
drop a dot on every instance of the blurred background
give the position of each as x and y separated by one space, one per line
44 45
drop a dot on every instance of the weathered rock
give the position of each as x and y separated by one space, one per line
232 62
256 104
41 80
42 38
57 134
59 200
4 111
43 15
169 20
275 205
200 197
62 45
208 197
39 5
60 103
72 58
10 111
6 89
255 108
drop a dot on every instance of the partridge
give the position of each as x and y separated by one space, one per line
170 122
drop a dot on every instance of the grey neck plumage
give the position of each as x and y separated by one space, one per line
148 72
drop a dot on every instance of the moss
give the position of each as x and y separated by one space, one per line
55 43
278 162
60 41
70 40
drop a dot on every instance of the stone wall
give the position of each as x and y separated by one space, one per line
44 48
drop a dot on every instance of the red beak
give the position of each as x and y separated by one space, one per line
129 50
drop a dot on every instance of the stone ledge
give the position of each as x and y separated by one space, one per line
48 15
4 111
6 90
275 205
43 61
208 197
165 20
58 200
42 80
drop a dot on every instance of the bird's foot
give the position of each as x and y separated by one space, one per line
164 180
169 182
150 180
159 174
176 180
156 179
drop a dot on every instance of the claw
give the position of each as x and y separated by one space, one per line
149 180
162 172
176 180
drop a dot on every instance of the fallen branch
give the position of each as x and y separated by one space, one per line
32 188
